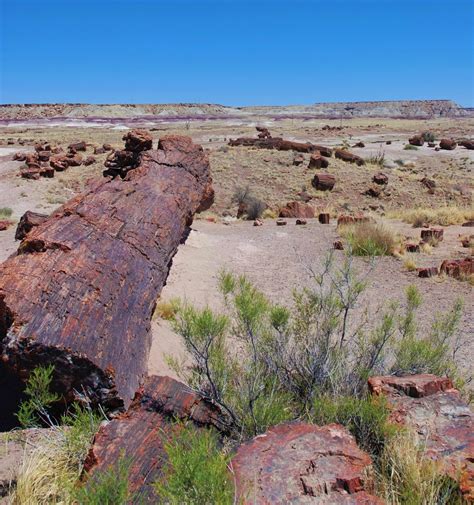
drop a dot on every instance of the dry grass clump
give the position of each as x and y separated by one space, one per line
410 264
5 212
443 216
370 239
407 476
167 309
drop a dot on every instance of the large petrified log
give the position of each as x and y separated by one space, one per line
281 144
303 463
81 290
433 408
140 434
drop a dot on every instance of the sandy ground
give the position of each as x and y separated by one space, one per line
276 260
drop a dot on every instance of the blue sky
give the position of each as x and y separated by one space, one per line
235 52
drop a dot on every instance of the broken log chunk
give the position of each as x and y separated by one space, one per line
323 182
349 157
81 290
28 221
280 144
318 161
140 434
432 234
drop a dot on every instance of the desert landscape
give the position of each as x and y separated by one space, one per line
120 223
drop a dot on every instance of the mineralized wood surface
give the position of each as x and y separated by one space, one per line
281 145
81 290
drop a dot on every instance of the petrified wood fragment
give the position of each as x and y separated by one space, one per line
281 145
349 157
140 434
81 290
28 221
323 182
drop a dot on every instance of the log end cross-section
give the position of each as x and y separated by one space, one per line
81 290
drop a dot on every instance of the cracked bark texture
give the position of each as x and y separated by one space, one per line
81 290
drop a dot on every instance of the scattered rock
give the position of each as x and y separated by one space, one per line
431 144
433 408
47 172
305 197
90 160
19 157
77 146
258 222
301 221
138 141
349 157
416 140
323 182
280 144
380 178
280 222
297 209
359 144
263 132
459 268
468 144
324 217
373 191
298 160
107 147
44 155
28 221
447 144
303 463
99 150
428 183
338 245
427 272
318 161
74 160
32 173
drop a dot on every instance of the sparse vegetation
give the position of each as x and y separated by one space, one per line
410 264
409 147
252 207
167 309
377 159
370 239
197 471
428 136
5 212
443 216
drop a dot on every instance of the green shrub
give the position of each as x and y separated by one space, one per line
409 147
370 239
107 488
428 136
5 212
366 418
33 412
196 471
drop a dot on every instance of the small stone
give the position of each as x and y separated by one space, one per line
280 222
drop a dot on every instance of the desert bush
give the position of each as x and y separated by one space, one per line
370 239
406 476
444 216
33 412
5 212
377 159
241 195
410 264
167 309
409 147
254 207
110 487
269 214
428 136
264 363
196 471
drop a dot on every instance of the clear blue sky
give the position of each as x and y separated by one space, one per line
235 52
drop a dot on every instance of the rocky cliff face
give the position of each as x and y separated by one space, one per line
402 109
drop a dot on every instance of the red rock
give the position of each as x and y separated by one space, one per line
107 147
42 146
90 160
380 178
303 463
30 173
359 144
74 160
412 247
47 172
426 272
77 146
346 219
447 144
138 141
429 183
263 132
324 217
468 223
458 268
280 222
349 157
323 182
297 209
432 233
59 162
318 161
32 159
298 160
44 155
416 140
5 224
301 222
373 191
140 434
19 157
120 162
99 150
467 241
258 222
468 144
338 245
28 221
433 408
111 248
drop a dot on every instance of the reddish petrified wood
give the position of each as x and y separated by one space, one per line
458 268
318 161
298 160
323 182
30 173
338 245
5 224
303 463
380 178
301 222
345 219
349 157
280 145
28 221
468 144
297 209
140 434
324 217
412 247
445 423
82 288
416 140
78 146
427 272
447 144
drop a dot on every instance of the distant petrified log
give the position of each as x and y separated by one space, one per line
28 221
416 140
468 144
297 209
140 434
380 179
318 161
263 133
458 268
447 144
81 290
432 234
323 182
349 157
78 146
280 145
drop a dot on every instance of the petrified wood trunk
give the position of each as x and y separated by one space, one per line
281 145
81 290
